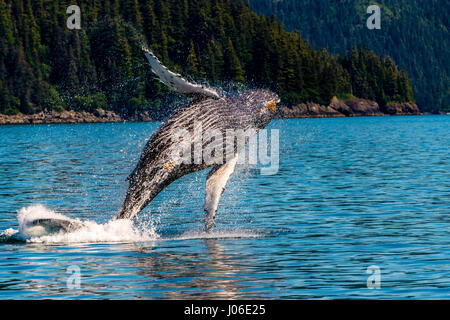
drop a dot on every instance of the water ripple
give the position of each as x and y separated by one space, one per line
350 193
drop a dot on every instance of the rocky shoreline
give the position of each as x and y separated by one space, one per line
350 108
99 115
337 108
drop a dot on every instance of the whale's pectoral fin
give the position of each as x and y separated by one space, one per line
215 186
175 81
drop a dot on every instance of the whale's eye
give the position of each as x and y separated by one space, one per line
272 105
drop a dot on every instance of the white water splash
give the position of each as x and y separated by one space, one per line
112 231
121 230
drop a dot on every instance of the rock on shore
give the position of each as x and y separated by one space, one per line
401 109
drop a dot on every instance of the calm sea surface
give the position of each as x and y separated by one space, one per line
350 193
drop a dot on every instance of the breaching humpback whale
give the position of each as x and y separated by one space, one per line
250 110
156 169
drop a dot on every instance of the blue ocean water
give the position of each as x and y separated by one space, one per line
350 193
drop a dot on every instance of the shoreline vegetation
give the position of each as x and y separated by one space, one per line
46 68
337 108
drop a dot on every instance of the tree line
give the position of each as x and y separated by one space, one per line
414 33
222 43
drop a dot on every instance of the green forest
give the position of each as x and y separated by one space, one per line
415 33
222 43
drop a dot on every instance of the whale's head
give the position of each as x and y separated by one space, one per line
269 101
263 104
